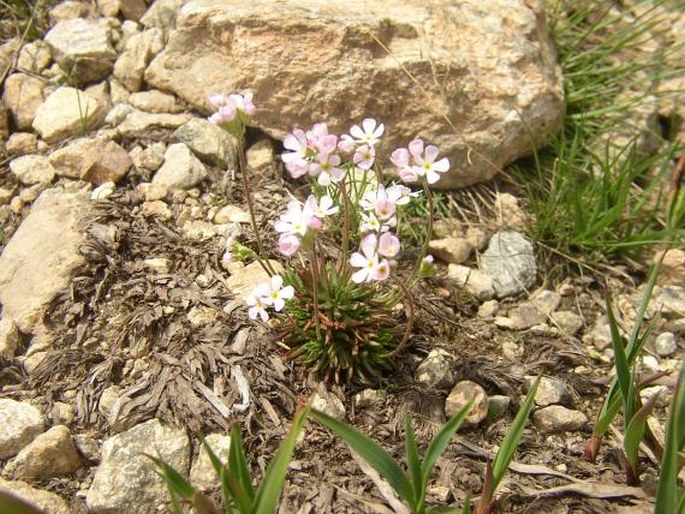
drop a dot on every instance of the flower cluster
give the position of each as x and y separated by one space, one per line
415 161
271 294
228 107
299 219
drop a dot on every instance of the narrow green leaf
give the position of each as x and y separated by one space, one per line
635 431
413 465
13 504
269 490
668 496
506 451
237 463
240 500
371 452
623 374
176 482
441 440
219 467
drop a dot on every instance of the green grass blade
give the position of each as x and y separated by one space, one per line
239 500
441 440
237 463
508 447
371 452
635 431
269 490
639 318
219 468
414 465
623 373
176 483
668 495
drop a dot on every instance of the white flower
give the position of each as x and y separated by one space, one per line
369 133
277 294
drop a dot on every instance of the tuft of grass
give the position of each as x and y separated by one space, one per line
597 192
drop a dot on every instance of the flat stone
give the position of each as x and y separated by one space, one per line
488 309
474 281
125 482
34 57
51 454
510 262
508 211
532 312
210 143
138 52
328 403
231 214
369 397
92 160
451 249
241 284
202 472
156 209
21 143
162 14
32 169
436 370
82 49
495 61
671 299
68 112
70 10
181 169
568 321
556 418
20 423
672 268
154 101
152 192
550 391
23 95
150 158
38 261
665 344
260 156
44 500
464 392
139 124
9 338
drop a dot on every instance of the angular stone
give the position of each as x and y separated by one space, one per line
44 500
451 249
328 403
510 262
231 214
125 482
38 261
556 418
21 143
665 344
673 268
474 281
496 72
154 101
156 209
34 57
20 423
51 454
152 192
488 309
162 14
436 369
9 338
260 156
138 52
32 169
92 160
70 10
509 212
23 95
82 49
550 391
241 284
68 112
181 169
209 142
150 158
534 311
202 472
139 124
568 321
464 392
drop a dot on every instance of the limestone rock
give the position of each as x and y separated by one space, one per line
532 312
162 14
451 249
474 281
181 169
138 52
9 338
92 160
82 48
510 262
150 158
152 192
68 112
21 143
139 124
231 214
495 62
202 472
665 344
328 403
125 482
568 321
32 169
131 9
154 101
209 142
464 392
45 500
20 423
673 268
70 10
556 418
241 284
509 212
34 57
38 261
49 455
550 391
436 369
23 95
260 156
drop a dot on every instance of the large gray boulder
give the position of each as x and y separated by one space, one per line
478 78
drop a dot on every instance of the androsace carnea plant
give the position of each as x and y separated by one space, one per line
337 299
670 499
238 492
410 485
624 390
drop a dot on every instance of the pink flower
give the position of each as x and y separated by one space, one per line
388 245
296 220
296 160
258 301
288 244
228 106
425 163
364 157
384 207
323 207
369 133
327 169
400 194
277 294
367 260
